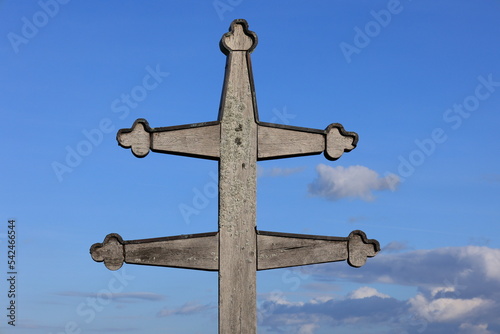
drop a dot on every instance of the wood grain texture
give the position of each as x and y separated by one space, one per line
237 140
339 141
200 142
281 250
275 142
190 252
360 248
194 251
136 138
285 251
110 251
237 192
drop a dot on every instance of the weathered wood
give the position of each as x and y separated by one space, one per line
237 140
110 251
138 138
281 250
277 142
201 251
284 141
338 141
194 251
237 189
201 140
359 248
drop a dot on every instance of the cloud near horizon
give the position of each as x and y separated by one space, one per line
334 183
458 291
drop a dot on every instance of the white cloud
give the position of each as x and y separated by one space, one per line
458 291
395 246
339 182
442 290
320 299
447 309
458 267
467 328
366 292
279 299
489 260
324 312
186 309
307 329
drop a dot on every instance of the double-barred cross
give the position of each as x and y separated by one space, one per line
237 140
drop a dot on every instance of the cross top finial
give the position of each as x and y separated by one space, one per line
239 38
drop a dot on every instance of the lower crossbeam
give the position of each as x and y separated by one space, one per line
201 251
193 251
281 250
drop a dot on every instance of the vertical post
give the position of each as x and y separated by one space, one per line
237 193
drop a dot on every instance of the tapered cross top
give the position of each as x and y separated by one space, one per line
237 140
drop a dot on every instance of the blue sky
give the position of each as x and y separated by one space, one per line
418 80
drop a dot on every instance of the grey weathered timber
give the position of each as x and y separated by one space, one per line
237 140
201 251
237 188
281 250
195 251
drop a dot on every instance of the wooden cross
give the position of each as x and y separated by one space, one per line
237 140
